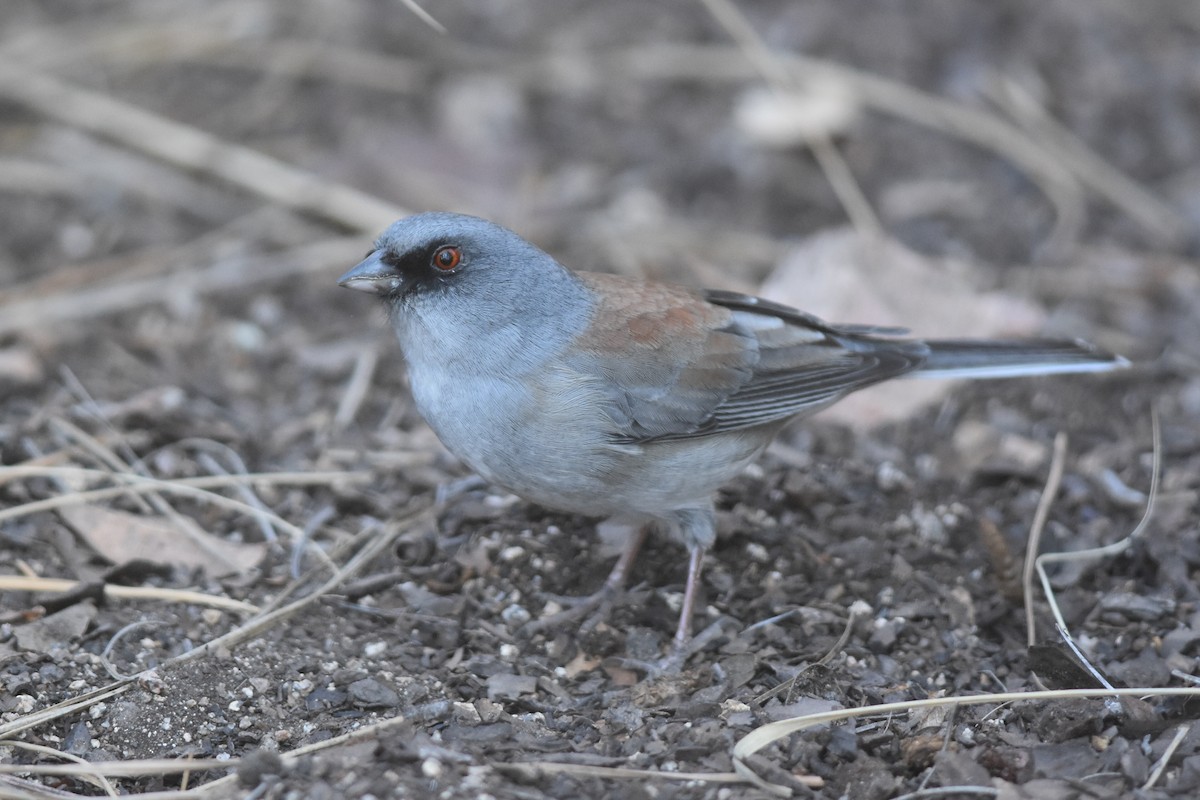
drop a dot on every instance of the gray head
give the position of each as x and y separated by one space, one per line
456 285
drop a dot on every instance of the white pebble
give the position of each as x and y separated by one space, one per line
511 554
515 615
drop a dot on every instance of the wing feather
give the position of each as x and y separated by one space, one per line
699 364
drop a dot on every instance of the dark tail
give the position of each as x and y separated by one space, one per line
982 358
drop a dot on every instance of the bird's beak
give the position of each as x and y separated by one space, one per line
372 275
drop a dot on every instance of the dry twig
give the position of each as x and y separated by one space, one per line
766 735
1109 549
193 149
1053 479
234 273
26 583
977 126
776 73
372 542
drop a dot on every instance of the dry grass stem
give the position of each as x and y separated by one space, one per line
192 149
830 159
202 37
14 788
248 496
1069 641
1160 766
1049 492
91 776
381 459
357 387
373 543
111 668
21 583
1087 165
830 654
373 730
198 488
185 524
1114 548
227 274
118 769
104 454
977 126
541 769
425 16
65 708
772 732
850 194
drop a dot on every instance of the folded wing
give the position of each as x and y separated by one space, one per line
703 364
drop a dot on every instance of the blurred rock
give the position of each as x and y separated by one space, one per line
370 693
20 367
782 118
55 630
983 448
482 114
1126 606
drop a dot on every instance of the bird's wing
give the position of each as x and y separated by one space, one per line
708 363
806 363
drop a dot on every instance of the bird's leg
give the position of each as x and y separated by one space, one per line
697 528
616 579
681 645
452 489
601 601
683 633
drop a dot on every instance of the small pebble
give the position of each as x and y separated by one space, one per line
757 553
890 478
511 554
515 616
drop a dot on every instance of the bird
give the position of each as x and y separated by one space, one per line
628 399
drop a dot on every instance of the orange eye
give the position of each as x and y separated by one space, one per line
447 258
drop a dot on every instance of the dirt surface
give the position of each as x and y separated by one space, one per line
170 310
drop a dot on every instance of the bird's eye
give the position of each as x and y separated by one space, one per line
447 258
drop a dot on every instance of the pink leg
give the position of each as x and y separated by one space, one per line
683 634
620 571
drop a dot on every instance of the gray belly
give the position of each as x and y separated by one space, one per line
556 452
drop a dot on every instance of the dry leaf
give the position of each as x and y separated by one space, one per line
580 664
121 537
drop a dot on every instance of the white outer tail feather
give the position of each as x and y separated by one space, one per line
967 358
1019 370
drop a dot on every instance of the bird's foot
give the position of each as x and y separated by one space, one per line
453 489
667 667
593 609
681 650
598 606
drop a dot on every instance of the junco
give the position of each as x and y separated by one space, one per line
623 398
